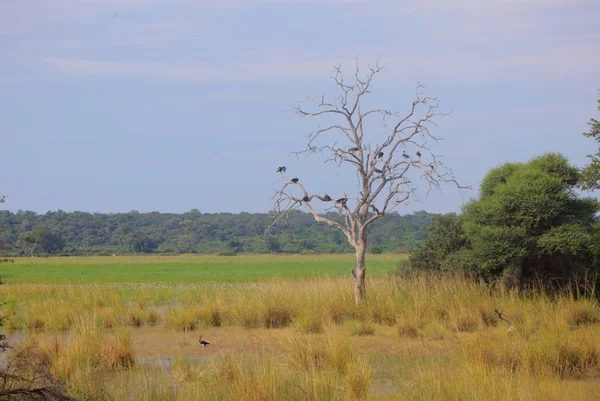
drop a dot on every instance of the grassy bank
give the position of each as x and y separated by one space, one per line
185 268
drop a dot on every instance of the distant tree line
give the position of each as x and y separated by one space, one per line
64 233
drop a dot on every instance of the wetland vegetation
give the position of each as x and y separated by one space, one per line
422 337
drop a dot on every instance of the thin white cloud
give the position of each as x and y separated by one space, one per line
240 70
466 49
569 62
17 17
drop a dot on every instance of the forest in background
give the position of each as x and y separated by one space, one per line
81 233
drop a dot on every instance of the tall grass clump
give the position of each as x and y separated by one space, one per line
143 387
340 353
212 315
362 328
464 383
248 315
259 380
116 350
277 316
408 328
182 369
89 350
181 319
305 352
551 352
467 381
358 377
563 354
309 323
580 313
260 376
110 316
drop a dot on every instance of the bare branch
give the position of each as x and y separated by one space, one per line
511 327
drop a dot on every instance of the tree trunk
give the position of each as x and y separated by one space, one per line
513 274
360 291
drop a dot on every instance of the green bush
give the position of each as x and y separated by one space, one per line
528 226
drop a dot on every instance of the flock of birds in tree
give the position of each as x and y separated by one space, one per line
342 201
380 154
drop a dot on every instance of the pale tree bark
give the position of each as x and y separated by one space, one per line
385 170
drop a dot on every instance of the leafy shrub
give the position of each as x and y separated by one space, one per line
228 252
376 250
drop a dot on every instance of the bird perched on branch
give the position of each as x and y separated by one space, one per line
327 198
306 199
405 155
294 180
353 150
342 201
380 155
378 171
375 210
202 342
418 154
281 169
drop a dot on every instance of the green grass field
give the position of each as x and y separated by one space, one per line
186 268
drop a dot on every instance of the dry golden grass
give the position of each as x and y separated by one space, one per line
419 338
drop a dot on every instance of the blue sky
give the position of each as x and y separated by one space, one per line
169 105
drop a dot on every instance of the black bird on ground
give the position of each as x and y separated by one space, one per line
380 155
418 154
281 169
202 342
327 198
294 180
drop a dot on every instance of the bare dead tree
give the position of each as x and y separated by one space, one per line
385 170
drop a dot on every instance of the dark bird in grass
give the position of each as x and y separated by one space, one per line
405 155
281 169
375 210
353 150
327 198
378 171
294 180
418 154
202 342
380 155
306 199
